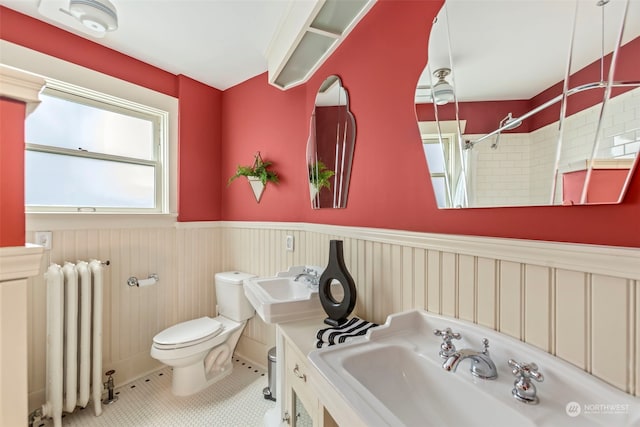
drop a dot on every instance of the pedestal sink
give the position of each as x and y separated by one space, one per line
394 377
284 298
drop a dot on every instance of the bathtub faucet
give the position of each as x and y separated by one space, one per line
482 366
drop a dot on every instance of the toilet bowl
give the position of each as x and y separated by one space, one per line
200 350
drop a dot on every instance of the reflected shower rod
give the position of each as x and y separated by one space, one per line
595 85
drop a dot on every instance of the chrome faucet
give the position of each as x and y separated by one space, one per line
311 275
482 366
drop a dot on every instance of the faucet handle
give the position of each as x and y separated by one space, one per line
527 370
523 389
310 270
447 348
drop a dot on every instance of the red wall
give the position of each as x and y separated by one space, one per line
604 185
12 115
481 117
259 117
199 157
379 65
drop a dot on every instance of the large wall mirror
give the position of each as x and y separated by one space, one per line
332 135
531 102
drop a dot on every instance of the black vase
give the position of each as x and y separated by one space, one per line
338 311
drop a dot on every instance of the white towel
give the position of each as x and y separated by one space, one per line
346 332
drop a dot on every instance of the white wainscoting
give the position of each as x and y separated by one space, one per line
17 264
579 302
185 260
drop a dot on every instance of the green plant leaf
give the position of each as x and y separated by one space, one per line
320 175
259 170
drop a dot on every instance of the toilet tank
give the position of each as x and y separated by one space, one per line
232 303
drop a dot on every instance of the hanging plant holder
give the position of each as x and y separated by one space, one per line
258 175
256 186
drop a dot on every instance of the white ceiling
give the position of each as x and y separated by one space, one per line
217 42
502 49
514 49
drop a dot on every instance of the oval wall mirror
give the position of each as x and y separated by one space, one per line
531 102
332 135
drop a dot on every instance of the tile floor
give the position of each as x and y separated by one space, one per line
234 401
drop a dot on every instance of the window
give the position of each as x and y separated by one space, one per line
91 152
440 160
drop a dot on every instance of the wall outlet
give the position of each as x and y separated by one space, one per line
289 243
44 238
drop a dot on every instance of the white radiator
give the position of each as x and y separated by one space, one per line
74 338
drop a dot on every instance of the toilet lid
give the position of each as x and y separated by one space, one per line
189 331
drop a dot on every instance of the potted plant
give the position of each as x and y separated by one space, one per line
319 176
258 175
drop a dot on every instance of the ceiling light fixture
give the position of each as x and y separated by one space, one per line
442 90
97 15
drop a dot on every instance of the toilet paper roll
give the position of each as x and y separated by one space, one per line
147 282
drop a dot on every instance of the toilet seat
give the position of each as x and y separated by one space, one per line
188 333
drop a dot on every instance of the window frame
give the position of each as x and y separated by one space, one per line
159 118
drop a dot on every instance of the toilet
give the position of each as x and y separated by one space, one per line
200 350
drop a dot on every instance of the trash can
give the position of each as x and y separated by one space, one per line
270 391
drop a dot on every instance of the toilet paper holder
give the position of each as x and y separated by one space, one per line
151 280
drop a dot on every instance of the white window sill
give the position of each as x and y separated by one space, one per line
90 220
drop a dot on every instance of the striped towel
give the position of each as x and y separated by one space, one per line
354 327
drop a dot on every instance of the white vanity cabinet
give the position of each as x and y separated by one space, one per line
300 404
305 394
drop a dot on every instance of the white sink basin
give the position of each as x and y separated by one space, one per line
285 289
403 387
282 298
393 376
